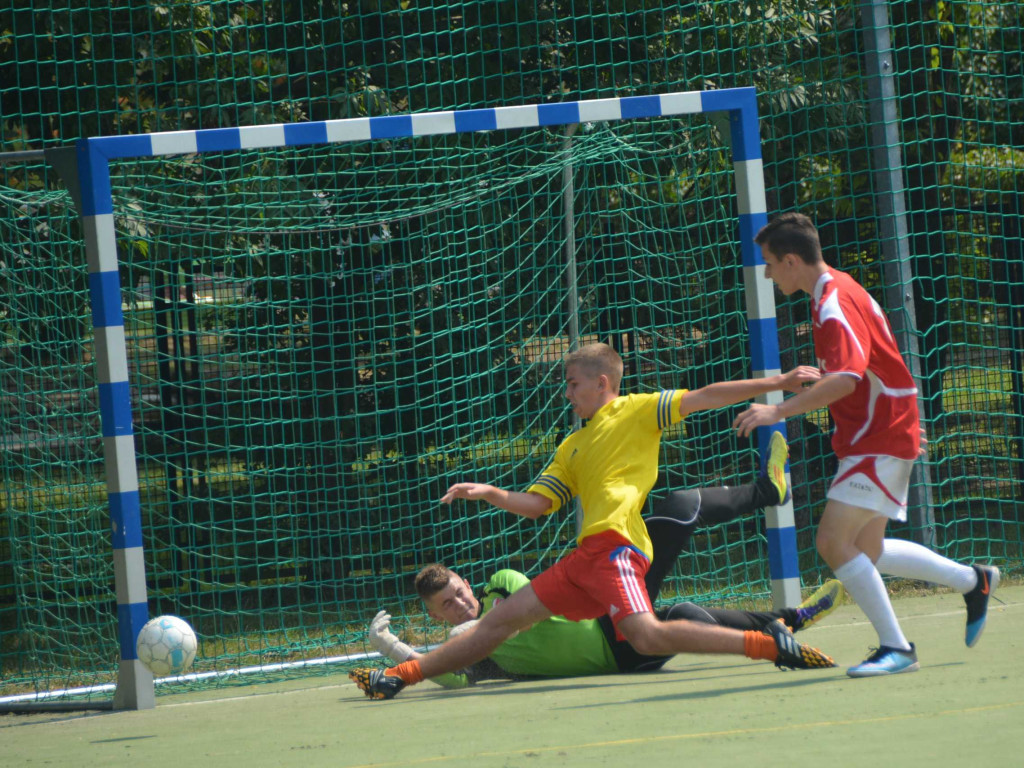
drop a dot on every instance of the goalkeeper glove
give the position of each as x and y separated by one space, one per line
386 643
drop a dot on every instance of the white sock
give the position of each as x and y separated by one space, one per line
914 561
865 586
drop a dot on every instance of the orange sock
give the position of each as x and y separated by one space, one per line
758 645
409 671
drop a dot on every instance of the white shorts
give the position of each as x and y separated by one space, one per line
878 483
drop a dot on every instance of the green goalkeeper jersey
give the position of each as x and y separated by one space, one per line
555 647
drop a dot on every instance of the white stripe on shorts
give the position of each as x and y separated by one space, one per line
634 589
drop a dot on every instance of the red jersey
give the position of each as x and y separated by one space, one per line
852 337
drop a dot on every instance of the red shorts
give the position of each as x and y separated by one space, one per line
604 575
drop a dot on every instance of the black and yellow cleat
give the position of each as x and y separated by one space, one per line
376 683
819 605
775 466
793 654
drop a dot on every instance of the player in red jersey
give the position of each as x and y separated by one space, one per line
873 401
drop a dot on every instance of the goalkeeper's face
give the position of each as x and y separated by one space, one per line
455 604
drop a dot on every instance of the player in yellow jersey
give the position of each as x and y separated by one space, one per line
611 464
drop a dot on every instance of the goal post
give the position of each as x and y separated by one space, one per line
90 182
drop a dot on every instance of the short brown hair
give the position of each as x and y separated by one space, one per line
432 579
791 233
597 359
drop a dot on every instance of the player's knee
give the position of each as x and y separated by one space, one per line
679 506
641 634
645 644
825 542
688 612
833 549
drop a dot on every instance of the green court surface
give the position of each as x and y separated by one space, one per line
965 707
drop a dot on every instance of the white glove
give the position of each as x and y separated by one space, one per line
386 643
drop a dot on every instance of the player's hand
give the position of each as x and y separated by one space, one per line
757 415
384 642
470 491
796 379
922 449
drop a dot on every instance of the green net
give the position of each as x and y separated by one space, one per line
322 340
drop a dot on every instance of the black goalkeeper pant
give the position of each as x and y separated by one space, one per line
674 518
670 527
628 660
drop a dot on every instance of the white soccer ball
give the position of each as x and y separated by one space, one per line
167 645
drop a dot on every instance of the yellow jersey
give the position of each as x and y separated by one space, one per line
612 464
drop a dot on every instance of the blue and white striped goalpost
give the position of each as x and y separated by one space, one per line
92 189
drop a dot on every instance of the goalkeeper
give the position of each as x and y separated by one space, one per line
557 647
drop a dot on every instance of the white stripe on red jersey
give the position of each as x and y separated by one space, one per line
852 337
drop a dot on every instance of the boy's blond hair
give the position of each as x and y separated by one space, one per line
597 359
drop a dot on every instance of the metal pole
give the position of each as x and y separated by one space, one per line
87 175
569 231
23 156
887 160
572 298
744 139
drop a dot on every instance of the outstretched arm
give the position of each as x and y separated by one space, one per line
723 393
531 505
390 647
824 393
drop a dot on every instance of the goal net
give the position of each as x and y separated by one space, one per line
321 339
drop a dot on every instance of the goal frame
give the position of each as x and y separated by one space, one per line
85 168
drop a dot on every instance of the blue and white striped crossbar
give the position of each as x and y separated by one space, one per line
433 123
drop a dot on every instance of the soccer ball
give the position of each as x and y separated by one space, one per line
166 645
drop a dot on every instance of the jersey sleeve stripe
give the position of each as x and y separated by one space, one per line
556 486
665 408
